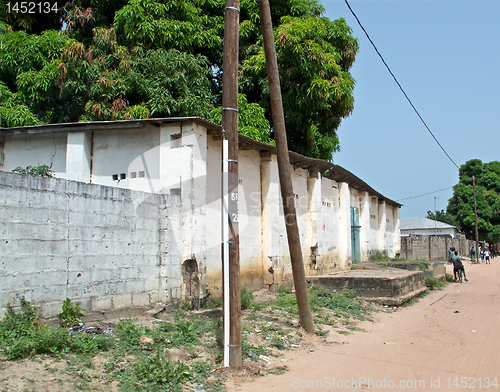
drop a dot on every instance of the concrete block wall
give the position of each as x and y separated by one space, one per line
91 243
434 248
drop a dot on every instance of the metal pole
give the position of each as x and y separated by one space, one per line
230 127
225 250
475 215
285 175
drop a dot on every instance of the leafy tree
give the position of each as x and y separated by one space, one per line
251 120
61 80
314 56
461 205
113 59
33 22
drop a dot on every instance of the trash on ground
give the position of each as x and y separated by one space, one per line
89 330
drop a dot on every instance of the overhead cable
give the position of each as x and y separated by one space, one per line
401 88
425 194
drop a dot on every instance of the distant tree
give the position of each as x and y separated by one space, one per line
461 205
442 216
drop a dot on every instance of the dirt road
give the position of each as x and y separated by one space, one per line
449 341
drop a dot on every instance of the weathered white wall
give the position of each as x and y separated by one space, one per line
87 242
123 151
329 226
213 217
250 222
36 149
181 161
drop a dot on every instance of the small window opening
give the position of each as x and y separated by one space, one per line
142 174
133 174
115 177
123 176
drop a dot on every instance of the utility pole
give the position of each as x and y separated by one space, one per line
230 130
435 216
475 215
285 175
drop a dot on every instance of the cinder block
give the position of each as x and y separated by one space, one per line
51 309
140 299
14 180
122 301
100 303
134 286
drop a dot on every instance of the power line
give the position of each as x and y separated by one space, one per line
401 88
425 194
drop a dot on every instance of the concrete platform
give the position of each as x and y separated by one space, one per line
387 286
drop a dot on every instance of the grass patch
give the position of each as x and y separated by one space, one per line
434 284
183 349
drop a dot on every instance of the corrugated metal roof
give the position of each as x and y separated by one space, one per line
328 169
423 223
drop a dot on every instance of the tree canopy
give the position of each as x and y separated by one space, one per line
115 59
461 205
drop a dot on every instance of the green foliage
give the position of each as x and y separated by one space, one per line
379 256
461 205
246 298
423 265
129 333
22 334
119 59
442 216
343 303
433 283
40 170
314 57
251 120
449 277
155 369
71 314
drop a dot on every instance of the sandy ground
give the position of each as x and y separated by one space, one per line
448 341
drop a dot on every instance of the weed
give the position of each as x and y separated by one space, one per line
246 298
71 314
449 277
277 371
433 283
22 334
130 334
379 256
39 170
423 265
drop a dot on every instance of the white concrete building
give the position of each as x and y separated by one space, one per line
425 226
341 219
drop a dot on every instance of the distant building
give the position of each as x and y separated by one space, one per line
425 226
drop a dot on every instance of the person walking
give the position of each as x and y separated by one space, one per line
456 259
487 256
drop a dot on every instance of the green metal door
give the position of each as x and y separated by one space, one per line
355 244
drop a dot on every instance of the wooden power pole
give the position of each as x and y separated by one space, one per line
230 129
285 175
475 216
